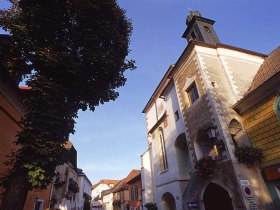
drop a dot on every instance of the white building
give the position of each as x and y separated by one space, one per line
85 188
97 189
65 189
165 164
196 95
107 199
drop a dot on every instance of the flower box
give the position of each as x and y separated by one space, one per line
205 166
249 155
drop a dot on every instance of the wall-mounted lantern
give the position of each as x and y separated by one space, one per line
219 145
211 132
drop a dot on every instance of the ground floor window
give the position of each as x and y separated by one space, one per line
38 204
277 188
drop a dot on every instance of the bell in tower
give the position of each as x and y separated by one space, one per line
200 29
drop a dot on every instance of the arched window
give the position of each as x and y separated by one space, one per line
235 130
207 29
162 151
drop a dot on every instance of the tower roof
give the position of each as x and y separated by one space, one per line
191 15
200 29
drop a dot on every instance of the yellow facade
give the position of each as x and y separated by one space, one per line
263 128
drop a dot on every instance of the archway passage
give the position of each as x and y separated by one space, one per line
216 198
183 160
168 202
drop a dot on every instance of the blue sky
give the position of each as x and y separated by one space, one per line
110 140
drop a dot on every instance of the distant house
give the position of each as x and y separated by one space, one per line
104 184
68 186
71 188
107 198
65 189
121 196
135 190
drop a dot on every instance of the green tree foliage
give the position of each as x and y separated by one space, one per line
74 54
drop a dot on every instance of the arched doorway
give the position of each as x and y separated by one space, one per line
216 198
168 202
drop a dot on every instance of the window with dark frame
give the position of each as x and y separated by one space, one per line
176 115
136 192
192 93
277 188
207 29
193 35
132 194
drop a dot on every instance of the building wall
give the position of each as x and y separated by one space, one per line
97 191
135 202
147 178
107 201
10 114
11 111
263 128
66 172
173 127
42 195
85 187
123 197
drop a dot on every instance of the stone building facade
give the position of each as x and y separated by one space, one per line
195 96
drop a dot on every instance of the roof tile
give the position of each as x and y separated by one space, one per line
270 67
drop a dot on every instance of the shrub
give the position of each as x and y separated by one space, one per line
151 206
205 166
249 155
59 184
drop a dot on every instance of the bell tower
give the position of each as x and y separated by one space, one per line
200 29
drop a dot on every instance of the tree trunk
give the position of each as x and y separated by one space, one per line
15 195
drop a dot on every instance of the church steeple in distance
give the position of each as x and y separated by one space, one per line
200 29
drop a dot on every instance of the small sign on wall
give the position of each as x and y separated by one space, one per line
248 194
277 107
192 205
